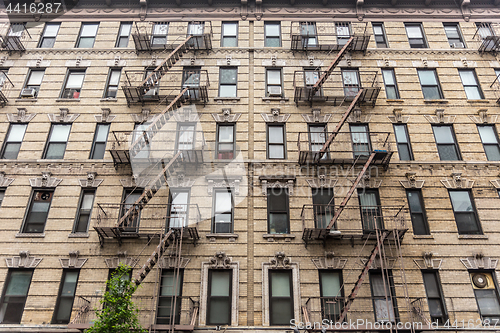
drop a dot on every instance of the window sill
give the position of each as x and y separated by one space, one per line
109 99
395 100
273 237
423 237
437 101
281 99
478 101
230 237
472 237
26 99
68 100
79 235
227 99
27 235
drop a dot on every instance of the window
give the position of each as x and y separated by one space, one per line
64 304
123 34
417 212
3 77
384 308
84 212
350 79
323 206
99 143
229 34
272 34
185 136
471 86
112 83
497 74
195 29
465 212
2 195
219 297
37 212
486 294
276 141
15 292
87 35
391 87
129 198
484 29
435 299
415 34
225 141
280 297
273 83
49 35
178 208
56 144
73 84
308 34
446 143
380 36
17 29
33 82
228 79
191 78
332 294
361 143
159 34
223 215
371 211
13 141
489 138
454 36
317 138
170 296
429 83
140 133
403 142
277 211
343 31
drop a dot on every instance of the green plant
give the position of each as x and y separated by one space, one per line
118 314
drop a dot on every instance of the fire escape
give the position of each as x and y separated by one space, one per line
13 37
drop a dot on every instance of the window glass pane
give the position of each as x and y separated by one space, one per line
281 311
2 195
276 151
467 77
64 310
487 134
75 80
167 284
391 92
377 29
414 32
226 134
230 41
223 202
273 77
451 31
102 132
55 151
228 75
400 132
219 311
160 29
114 77
51 30
60 133
272 42
322 196
86 42
443 134
343 31
277 199
19 283
377 285
473 93
229 29
275 134
272 29
195 29
431 285
125 29
89 30
414 201
492 152
220 283
431 92
69 285
11 151
227 91
388 77
350 77
16 132
280 284
427 77
488 301
87 201
35 78
461 201
368 199
278 223
330 284
448 153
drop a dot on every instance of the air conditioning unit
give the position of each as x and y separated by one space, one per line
274 91
43 196
482 281
457 45
28 92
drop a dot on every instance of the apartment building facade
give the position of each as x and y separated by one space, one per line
281 160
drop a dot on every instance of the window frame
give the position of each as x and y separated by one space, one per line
422 212
220 155
60 296
157 35
223 36
49 142
371 216
43 37
407 143
6 141
384 35
170 205
306 38
177 298
109 85
312 144
459 33
127 191
2 195
79 38
425 44
210 297
268 85
28 213
76 91
392 298
268 38
286 211
477 85
120 37
368 143
271 297
455 143
497 144
7 282
26 84
474 212
215 212
95 142
393 86
223 84
437 85
268 144
80 211
323 298
441 320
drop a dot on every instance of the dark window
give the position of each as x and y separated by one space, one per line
391 87
129 198
225 141
323 206
276 148
361 143
417 212
87 35
33 83
471 85
73 84
486 293
49 35
454 35
371 212
170 297
64 304
272 34
99 143
446 143
317 138
415 34
382 286
435 299
223 211
332 294
489 139
219 297
403 142
465 212
13 141
343 30
278 211
228 81
37 212
380 36
350 80
229 36
112 83
308 34
123 34
56 143
159 34
2 195
178 208
429 83
84 212
274 84
15 292
280 297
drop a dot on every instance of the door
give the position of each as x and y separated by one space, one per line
371 213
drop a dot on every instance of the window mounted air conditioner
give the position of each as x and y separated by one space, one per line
28 92
457 45
274 91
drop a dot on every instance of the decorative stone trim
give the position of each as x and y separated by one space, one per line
116 62
223 182
322 181
357 117
389 263
228 61
277 182
73 261
23 260
63 116
478 261
368 182
4 180
484 118
45 181
464 63
275 237
425 63
170 261
427 262
457 181
273 62
186 115
226 116
440 118
121 258
21 117
316 117
275 116
180 181
132 182
280 261
220 261
231 237
90 181
78 62
495 183
104 117
144 117
329 261
398 117
411 181
193 62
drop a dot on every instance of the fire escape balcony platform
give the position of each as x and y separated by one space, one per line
6 86
13 38
487 37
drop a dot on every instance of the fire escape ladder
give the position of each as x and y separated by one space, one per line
362 276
